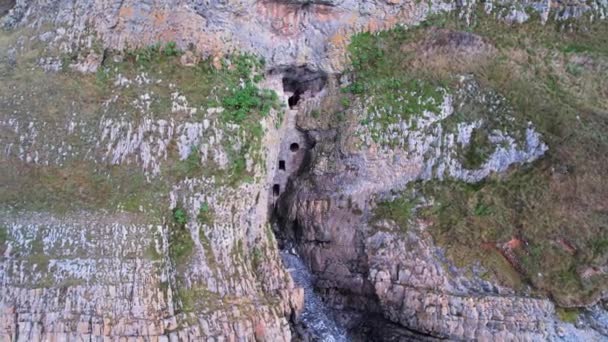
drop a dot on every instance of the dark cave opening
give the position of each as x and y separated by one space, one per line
294 147
6 5
276 189
294 99
302 83
282 165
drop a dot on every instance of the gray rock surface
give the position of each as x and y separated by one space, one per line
285 33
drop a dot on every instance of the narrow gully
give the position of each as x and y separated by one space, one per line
316 319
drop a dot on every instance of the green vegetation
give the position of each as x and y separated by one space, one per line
568 315
205 214
152 54
551 216
171 50
180 240
256 257
400 210
3 235
390 97
180 216
190 167
4 238
198 297
246 99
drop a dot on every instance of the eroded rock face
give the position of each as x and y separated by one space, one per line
403 277
376 265
415 290
313 33
111 267
92 275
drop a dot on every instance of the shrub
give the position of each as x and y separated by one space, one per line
171 50
180 241
180 216
567 315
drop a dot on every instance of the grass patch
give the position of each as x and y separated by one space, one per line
568 315
4 236
390 97
197 298
399 210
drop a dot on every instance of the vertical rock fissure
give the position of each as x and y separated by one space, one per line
316 321
300 227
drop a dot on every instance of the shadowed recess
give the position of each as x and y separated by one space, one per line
302 83
5 6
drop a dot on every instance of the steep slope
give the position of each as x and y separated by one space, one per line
134 206
436 193
148 145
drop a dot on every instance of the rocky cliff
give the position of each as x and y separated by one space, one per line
148 146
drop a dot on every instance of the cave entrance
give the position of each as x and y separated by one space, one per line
294 147
303 83
282 165
294 99
276 189
6 5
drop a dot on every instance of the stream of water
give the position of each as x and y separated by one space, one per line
316 316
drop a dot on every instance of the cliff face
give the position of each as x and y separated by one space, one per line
143 157
364 260
135 199
285 33
384 213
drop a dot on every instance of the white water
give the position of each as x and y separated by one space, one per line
316 317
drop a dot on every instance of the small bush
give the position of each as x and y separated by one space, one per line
180 240
345 101
399 210
241 102
568 315
179 216
171 50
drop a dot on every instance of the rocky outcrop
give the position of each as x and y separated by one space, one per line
415 290
403 277
397 272
285 33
